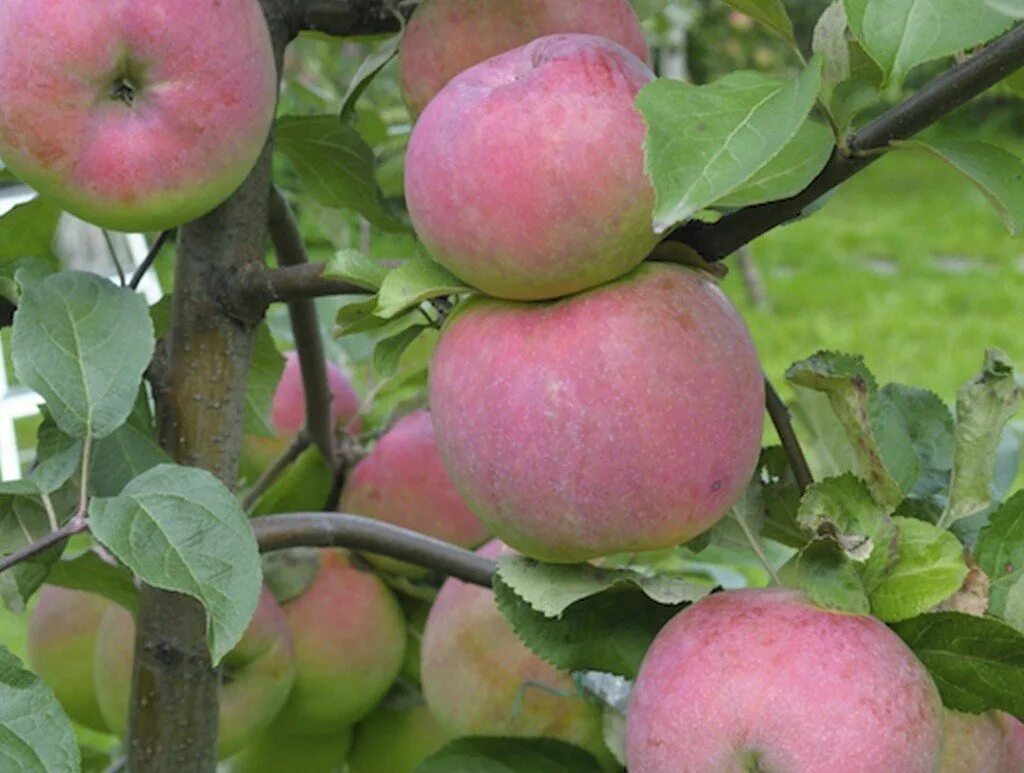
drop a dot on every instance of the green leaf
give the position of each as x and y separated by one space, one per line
388 351
830 578
580 617
289 573
771 13
368 69
1012 8
842 509
999 551
509 755
901 34
416 280
552 588
181 529
335 164
353 266
27 231
789 172
997 173
35 733
977 662
882 447
929 568
57 457
781 498
264 375
88 572
83 344
304 485
24 520
929 425
983 407
358 317
704 142
122 457
830 43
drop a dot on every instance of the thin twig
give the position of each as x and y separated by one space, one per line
943 95
277 532
83 493
779 413
151 256
293 283
75 526
291 251
272 473
113 256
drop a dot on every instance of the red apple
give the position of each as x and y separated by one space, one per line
135 116
445 37
525 174
257 675
61 646
765 680
403 482
288 411
349 636
627 418
480 679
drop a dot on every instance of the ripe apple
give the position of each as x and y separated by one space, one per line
480 679
396 740
992 742
626 418
513 191
445 37
277 751
403 482
256 676
61 645
764 680
349 637
135 116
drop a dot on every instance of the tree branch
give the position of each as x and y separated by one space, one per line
293 283
779 413
277 532
75 526
346 18
273 472
291 251
939 98
151 256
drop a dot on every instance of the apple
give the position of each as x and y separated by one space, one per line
277 751
396 740
288 415
513 191
480 679
60 647
135 116
765 680
350 638
626 418
992 742
403 481
256 676
445 37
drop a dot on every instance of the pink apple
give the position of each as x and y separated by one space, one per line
349 636
288 411
480 679
403 481
765 680
136 116
257 675
61 645
626 418
525 174
445 37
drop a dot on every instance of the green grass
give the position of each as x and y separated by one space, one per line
908 265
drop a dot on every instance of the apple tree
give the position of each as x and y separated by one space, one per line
526 229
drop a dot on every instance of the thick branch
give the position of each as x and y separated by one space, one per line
291 251
70 529
779 414
346 18
292 283
939 98
277 532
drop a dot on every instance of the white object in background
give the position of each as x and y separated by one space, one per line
18 402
